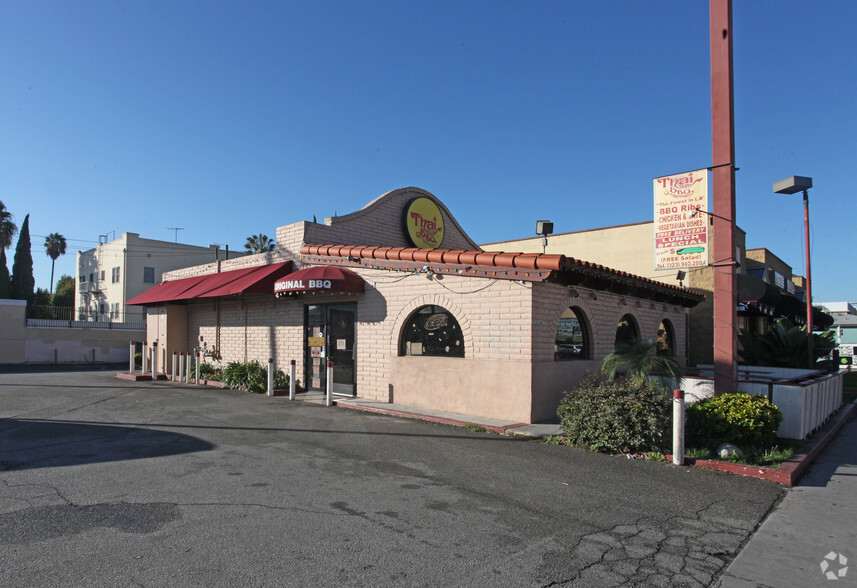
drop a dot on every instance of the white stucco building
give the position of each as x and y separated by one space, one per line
116 271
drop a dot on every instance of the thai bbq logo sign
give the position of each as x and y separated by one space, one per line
681 234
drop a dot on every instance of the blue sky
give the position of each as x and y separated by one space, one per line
233 118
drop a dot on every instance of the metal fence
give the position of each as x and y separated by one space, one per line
83 318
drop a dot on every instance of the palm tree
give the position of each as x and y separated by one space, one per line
54 247
7 227
640 360
7 232
259 244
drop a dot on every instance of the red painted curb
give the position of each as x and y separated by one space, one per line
789 471
424 417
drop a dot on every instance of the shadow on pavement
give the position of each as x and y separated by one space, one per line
32 444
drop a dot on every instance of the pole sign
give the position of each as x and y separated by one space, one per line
681 233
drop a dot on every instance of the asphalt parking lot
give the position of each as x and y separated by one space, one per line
114 483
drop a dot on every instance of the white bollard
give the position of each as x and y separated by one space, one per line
131 361
270 376
292 380
329 399
187 370
181 367
155 360
196 373
144 365
678 427
175 360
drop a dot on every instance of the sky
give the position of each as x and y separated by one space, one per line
228 119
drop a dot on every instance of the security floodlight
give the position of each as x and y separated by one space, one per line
544 228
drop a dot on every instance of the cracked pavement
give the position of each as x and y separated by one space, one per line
107 482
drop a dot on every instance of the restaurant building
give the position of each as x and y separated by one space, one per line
410 310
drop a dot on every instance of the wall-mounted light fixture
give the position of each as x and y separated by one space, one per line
573 293
593 296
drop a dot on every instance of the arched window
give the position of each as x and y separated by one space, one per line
432 330
666 339
627 331
572 336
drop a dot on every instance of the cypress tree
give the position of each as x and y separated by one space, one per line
4 275
23 283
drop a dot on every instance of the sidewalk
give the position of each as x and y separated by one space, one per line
816 520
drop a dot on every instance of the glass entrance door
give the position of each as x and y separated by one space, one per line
331 335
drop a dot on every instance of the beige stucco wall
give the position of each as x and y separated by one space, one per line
22 344
493 389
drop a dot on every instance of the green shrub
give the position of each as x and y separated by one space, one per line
138 361
619 416
209 372
252 377
734 418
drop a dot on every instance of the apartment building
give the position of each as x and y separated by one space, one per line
115 271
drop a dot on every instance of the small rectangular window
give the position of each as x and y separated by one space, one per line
91 277
115 276
148 275
82 278
102 275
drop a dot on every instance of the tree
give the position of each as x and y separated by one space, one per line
783 345
259 244
7 227
640 360
54 247
7 232
64 295
4 275
23 283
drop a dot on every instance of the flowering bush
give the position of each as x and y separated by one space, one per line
735 418
619 416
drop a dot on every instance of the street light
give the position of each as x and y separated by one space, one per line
793 185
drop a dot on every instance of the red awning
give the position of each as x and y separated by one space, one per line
253 279
320 279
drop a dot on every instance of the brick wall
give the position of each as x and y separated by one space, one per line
507 327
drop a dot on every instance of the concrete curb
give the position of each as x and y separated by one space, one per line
424 417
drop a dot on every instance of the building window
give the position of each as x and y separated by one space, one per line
148 275
102 275
114 310
82 278
572 336
114 278
91 277
666 339
433 331
627 331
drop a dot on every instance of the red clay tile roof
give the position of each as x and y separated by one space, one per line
583 270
